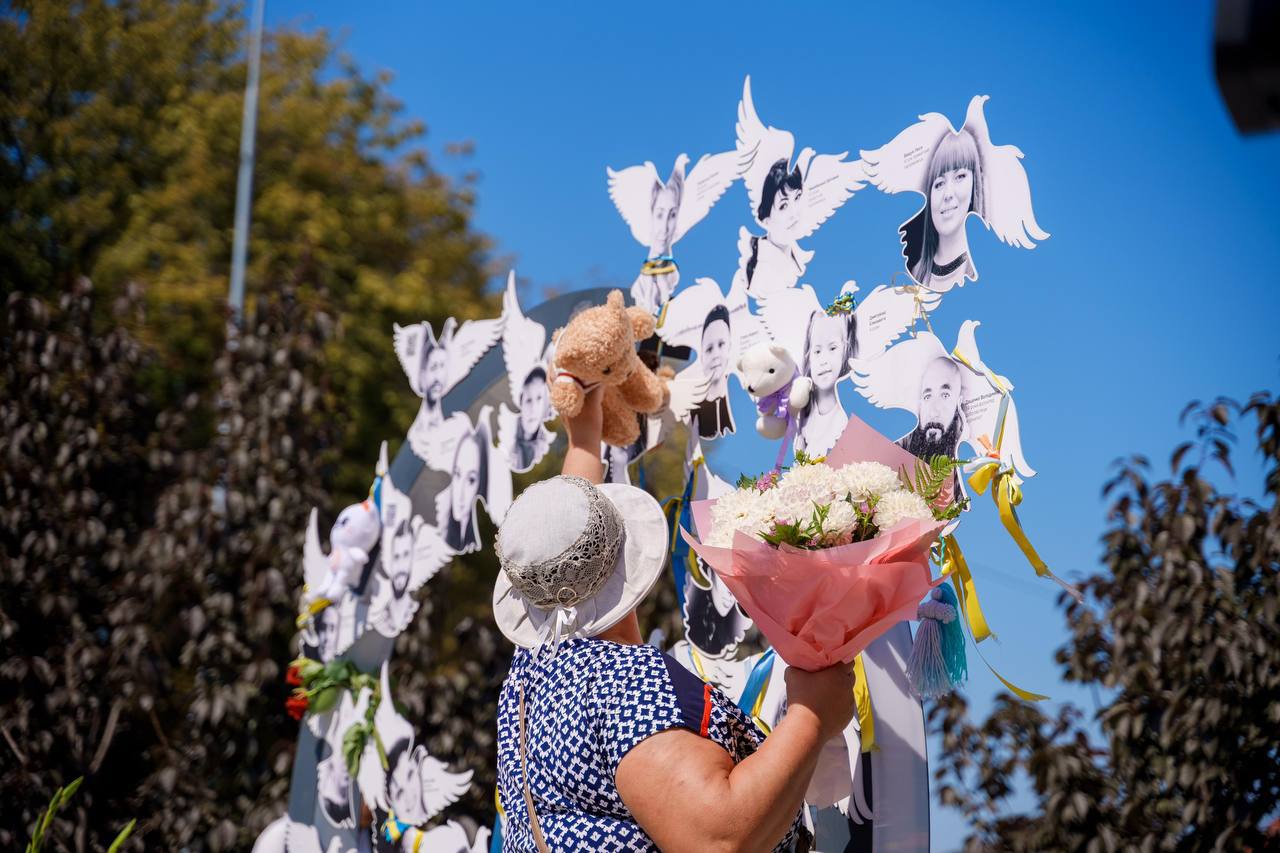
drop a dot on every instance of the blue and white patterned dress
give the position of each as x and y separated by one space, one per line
585 708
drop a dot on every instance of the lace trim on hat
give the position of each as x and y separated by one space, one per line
578 572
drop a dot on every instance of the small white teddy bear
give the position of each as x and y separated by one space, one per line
771 378
353 535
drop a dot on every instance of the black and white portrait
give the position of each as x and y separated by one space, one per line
959 173
939 419
824 339
660 213
412 553
334 786
714 623
320 635
414 787
478 473
830 340
789 199
955 398
716 327
523 436
434 366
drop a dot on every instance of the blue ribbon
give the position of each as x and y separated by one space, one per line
756 681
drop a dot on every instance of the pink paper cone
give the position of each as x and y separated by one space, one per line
819 608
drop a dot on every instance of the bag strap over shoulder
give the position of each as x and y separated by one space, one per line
528 795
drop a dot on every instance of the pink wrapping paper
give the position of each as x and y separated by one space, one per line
819 608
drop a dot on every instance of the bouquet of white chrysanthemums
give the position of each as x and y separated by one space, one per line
830 554
813 505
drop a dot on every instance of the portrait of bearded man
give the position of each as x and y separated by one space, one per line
940 423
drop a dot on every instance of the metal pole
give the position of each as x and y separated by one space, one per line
244 184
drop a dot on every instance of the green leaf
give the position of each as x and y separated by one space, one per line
123 836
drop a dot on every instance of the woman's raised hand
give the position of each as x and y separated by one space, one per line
828 693
583 457
584 427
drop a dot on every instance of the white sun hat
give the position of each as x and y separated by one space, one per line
575 559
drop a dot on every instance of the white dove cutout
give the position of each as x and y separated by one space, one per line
434 366
654 430
822 345
412 553
478 472
659 214
955 397
336 804
959 172
523 437
286 835
788 200
416 786
717 327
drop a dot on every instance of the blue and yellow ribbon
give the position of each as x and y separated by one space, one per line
955 567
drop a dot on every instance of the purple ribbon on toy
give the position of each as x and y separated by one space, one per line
778 405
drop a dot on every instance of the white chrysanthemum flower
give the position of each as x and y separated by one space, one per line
869 480
745 509
841 519
894 507
817 483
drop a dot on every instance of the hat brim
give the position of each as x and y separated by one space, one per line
640 564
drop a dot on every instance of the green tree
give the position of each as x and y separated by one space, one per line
119 141
1183 642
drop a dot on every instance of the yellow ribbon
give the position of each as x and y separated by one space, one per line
954 565
1003 385
418 835
862 697
312 609
1007 494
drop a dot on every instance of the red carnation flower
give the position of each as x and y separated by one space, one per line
296 705
293 677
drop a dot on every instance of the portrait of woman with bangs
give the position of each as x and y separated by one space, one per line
935 244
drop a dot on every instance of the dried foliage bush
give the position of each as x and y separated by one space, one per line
148 588
1181 639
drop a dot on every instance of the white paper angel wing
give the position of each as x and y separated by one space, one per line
703 186
681 323
408 342
983 420
785 314
902 164
370 777
892 379
315 562
688 388
631 191
887 312
498 495
523 340
440 788
468 344
829 180
758 148
1008 194
430 553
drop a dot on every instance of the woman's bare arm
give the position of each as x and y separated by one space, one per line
583 456
687 794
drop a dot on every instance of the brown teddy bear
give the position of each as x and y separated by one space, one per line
598 347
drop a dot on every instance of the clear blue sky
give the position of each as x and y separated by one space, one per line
1158 285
